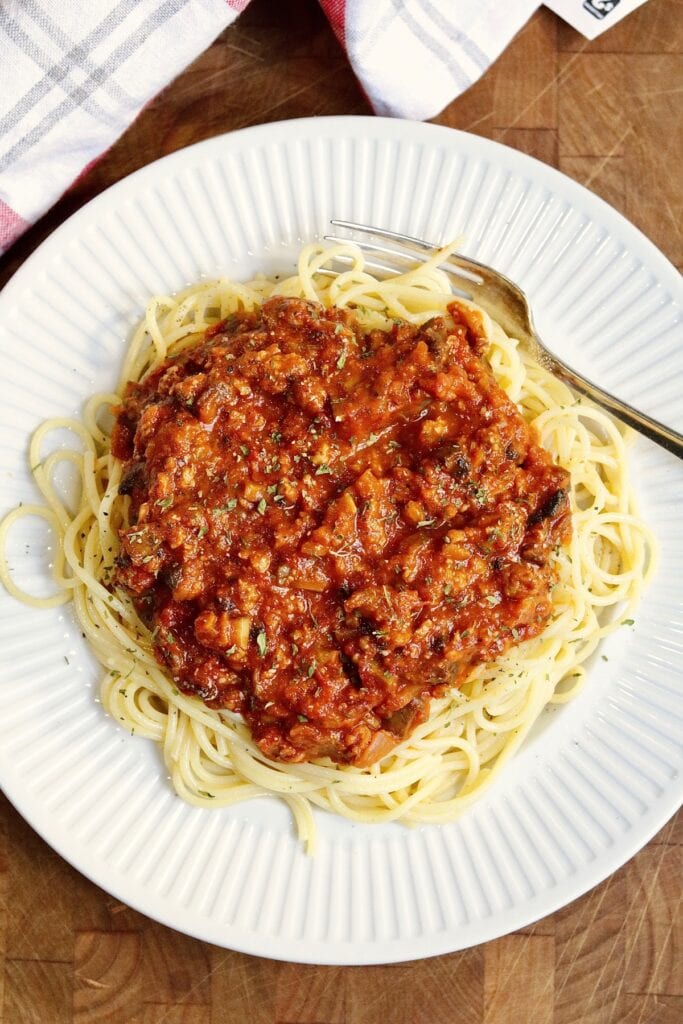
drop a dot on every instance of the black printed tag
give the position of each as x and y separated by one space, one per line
600 8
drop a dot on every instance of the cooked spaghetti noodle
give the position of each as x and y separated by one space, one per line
471 732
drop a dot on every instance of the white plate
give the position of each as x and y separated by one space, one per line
597 779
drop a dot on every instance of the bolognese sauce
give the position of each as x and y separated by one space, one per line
330 526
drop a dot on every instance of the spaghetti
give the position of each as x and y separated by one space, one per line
471 732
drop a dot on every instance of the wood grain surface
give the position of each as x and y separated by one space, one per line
606 113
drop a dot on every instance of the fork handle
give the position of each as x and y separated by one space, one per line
656 431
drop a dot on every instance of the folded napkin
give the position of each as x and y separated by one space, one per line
74 75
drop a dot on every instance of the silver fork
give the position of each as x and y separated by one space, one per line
508 305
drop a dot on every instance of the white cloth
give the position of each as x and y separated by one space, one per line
73 76
75 73
414 57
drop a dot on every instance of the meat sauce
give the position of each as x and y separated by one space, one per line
330 527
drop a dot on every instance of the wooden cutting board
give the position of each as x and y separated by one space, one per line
607 114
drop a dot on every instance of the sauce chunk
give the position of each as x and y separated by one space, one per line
329 527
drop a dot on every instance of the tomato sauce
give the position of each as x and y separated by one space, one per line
329 527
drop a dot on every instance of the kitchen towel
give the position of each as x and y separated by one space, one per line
74 75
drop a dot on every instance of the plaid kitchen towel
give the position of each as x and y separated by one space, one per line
75 73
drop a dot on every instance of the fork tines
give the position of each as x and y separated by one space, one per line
404 247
